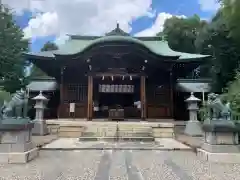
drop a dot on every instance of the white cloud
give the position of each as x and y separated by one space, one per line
61 39
42 25
94 17
157 26
209 5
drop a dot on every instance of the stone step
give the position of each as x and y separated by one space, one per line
142 139
98 134
115 134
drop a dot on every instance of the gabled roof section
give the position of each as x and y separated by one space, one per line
43 84
78 44
117 32
193 85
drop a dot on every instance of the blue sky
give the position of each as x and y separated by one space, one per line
204 8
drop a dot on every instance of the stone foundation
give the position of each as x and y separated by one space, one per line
218 157
220 142
17 147
20 157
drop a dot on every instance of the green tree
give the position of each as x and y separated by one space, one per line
4 96
37 72
231 12
12 46
232 94
49 46
181 33
214 40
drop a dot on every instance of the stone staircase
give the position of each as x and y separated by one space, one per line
96 132
134 132
117 132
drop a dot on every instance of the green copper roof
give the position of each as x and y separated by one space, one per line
43 85
193 85
75 46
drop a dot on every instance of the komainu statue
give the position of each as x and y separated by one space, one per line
16 107
216 109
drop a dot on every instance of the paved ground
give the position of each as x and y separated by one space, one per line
42 140
119 165
74 143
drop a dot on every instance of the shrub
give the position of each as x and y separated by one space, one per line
232 94
4 95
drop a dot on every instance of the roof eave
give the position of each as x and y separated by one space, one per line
31 56
194 59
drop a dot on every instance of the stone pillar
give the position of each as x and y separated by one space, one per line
40 126
193 126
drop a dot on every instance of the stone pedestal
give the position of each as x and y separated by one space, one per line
193 126
16 142
220 142
40 126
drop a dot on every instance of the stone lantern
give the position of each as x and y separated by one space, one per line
193 126
40 126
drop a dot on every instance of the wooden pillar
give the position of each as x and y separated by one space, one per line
143 97
61 86
90 98
171 95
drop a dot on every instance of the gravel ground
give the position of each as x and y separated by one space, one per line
119 165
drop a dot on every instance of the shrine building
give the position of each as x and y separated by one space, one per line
115 76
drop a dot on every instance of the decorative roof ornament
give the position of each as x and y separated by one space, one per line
40 97
192 98
117 32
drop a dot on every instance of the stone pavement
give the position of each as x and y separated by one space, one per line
119 165
194 142
74 143
43 140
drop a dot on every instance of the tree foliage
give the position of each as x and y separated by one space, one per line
231 12
181 33
4 96
12 46
49 46
214 40
232 94
193 35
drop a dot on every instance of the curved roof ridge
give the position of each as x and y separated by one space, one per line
151 45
